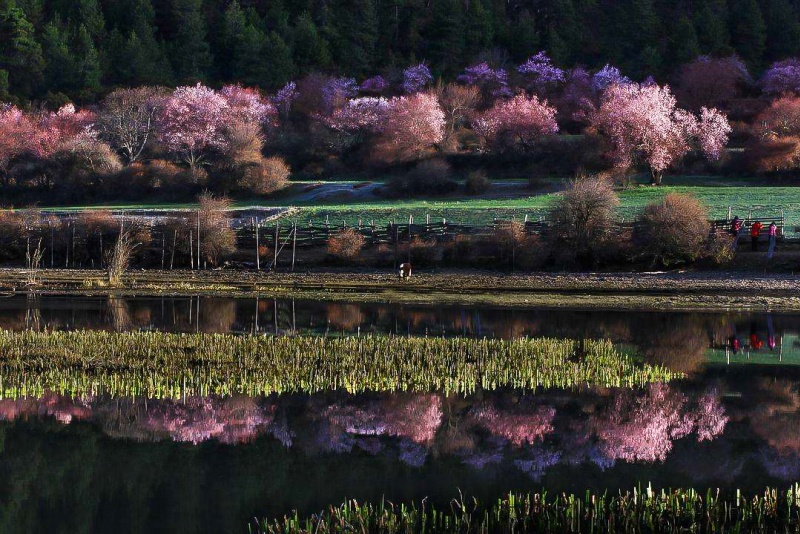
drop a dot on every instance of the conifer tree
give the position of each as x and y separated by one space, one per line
20 52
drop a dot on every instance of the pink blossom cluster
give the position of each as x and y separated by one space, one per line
541 71
199 419
64 409
285 97
521 120
359 114
412 124
248 105
375 85
643 121
643 427
606 77
337 91
416 78
524 427
492 81
415 417
782 77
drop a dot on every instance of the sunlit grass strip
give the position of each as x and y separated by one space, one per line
679 510
159 364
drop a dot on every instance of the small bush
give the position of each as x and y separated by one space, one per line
477 183
425 252
346 245
430 177
673 231
583 218
720 249
265 176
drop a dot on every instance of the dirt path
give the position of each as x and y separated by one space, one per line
712 290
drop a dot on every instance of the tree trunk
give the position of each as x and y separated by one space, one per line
656 177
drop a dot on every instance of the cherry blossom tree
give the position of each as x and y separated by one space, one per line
413 124
359 114
16 130
491 82
416 78
518 123
336 92
782 77
127 119
606 77
284 98
541 73
375 85
780 119
643 123
520 428
248 105
192 123
643 427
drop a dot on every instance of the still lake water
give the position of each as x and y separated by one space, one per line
100 464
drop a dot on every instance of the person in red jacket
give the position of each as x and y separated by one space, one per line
755 231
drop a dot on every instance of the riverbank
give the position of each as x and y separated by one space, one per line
656 291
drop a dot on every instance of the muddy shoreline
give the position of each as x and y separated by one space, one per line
646 291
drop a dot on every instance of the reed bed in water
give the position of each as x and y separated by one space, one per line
159 364
637 511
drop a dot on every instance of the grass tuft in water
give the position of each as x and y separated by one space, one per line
640 510
164 365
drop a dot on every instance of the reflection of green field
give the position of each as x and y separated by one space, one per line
787 352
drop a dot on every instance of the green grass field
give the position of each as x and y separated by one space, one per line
762 201
743 195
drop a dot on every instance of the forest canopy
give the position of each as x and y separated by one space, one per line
57 50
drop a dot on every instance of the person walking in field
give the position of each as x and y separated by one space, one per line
755 231
772 232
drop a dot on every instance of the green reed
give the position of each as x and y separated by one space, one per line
681 510
158 364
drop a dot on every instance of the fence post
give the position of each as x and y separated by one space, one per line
396 241
258 249
174 244
191 250
198 240
410 222
294 244
277 238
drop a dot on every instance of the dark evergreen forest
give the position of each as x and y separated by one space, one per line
78 49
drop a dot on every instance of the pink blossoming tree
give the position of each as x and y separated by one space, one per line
517 124
192 123
643 124
412 125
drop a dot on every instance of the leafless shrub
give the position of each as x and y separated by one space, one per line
118 259
582 217
217 238
264 176
673 231
346 245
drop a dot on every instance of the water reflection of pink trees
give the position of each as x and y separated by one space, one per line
643 427
233 420
521 427
63 409
416 417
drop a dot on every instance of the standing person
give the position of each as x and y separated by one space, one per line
736 229
755 231
736 226
772 232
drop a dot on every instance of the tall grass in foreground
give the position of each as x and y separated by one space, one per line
159 364
679 510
